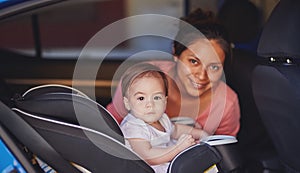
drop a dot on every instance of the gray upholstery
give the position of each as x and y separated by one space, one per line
276 82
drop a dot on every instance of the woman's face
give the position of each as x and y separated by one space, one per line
200 66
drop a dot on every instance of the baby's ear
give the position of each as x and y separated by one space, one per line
126 103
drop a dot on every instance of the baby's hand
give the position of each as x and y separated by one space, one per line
185 141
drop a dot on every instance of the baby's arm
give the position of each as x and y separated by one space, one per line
157 155
180 129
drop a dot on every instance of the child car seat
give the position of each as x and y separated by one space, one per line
83 132
96 147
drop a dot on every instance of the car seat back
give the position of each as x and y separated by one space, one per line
262 154
276 82
277 97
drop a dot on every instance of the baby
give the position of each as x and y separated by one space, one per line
147 130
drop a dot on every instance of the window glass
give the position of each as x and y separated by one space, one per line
62 30
17 35
66 29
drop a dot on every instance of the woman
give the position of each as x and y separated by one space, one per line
196 89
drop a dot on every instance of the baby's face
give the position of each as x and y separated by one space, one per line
146 99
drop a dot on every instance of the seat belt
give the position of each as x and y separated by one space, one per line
32 139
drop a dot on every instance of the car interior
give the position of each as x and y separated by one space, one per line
49 117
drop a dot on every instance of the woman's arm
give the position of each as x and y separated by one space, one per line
157 155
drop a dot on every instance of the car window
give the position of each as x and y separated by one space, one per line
62 30
17 35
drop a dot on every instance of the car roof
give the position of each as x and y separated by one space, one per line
9 8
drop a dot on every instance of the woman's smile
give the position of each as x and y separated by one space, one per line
199 84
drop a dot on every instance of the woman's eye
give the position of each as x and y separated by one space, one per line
193 61
214 67
157 97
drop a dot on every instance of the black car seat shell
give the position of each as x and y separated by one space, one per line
86 147
84 133
96 142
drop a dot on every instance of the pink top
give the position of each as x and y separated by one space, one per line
222 117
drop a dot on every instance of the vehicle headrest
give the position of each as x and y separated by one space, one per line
280 36
236 24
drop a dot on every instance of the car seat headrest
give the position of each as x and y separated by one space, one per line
51 88
280 36
63 104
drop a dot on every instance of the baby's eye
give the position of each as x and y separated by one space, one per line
141 98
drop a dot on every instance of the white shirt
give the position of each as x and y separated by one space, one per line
133 127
